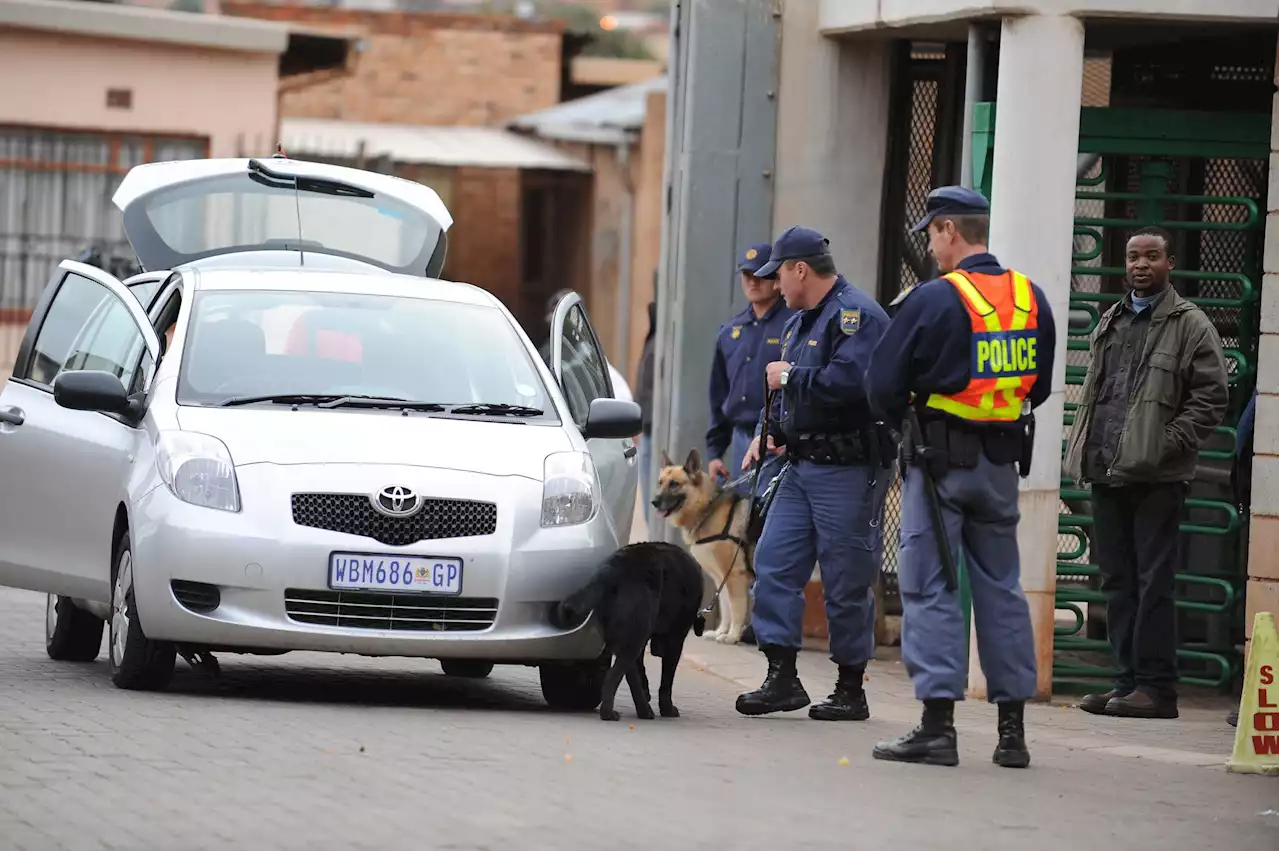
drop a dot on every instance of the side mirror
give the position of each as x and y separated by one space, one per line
612 419
91 390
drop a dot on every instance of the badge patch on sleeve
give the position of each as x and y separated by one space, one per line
850 321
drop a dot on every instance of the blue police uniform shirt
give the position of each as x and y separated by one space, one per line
829 348
926 348
743 347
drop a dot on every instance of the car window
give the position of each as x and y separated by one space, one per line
144 291
86 327
251 343
583 374
191 219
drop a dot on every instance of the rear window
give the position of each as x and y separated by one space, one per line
243 212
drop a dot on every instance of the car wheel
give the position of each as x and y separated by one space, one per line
70 633
136 661
575 687
474 669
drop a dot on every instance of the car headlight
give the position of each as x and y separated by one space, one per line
569 490
198 469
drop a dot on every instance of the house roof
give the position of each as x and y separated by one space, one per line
484 147
137 23
606 118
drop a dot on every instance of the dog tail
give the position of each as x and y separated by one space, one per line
574 609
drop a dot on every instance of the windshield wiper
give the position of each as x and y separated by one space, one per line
332 400
280 399
380 402
497 409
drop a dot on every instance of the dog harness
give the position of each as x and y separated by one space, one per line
724 534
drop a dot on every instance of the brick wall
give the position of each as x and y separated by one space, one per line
484 242
432 69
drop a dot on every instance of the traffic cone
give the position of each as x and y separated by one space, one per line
1257 746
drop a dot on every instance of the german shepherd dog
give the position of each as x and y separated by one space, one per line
716 525
647 593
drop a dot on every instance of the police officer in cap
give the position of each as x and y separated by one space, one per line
829 501
970 353
744 346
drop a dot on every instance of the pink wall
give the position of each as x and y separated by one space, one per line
55 80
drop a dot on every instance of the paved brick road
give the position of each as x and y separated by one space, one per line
316 752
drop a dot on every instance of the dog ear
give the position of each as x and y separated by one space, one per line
693 463
666 459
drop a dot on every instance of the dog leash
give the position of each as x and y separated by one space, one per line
755 480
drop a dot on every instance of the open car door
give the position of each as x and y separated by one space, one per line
201 211
65 470
579 365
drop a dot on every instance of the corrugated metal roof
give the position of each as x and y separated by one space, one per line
486 147
605 118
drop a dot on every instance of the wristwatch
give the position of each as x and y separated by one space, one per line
782 379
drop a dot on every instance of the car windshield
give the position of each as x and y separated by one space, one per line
321 348
239 212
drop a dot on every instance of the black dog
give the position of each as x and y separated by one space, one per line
645 593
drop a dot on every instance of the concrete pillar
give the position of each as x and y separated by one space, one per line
832 139
1260 593
1032 207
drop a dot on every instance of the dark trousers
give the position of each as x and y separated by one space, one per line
1137 546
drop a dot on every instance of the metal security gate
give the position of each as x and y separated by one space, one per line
1202 176
55 203
925 97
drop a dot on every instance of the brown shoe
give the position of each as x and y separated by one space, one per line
1096 704
1143 704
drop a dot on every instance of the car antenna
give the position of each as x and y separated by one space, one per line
281 155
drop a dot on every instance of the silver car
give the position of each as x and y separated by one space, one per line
289 434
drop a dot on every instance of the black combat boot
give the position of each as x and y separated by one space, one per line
932 743
1011 752
781 690
848 702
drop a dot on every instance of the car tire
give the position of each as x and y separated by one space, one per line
472 669
136 662
573 687
70 633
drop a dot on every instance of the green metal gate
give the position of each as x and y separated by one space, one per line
1202 176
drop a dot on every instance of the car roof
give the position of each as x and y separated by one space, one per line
336 281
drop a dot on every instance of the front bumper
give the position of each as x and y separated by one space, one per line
258 557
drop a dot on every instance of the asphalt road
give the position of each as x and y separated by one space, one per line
320 752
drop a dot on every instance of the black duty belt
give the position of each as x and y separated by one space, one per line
950 443
849 449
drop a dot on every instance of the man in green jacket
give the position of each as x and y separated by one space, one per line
1156 389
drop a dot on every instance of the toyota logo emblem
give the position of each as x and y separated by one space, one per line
397 501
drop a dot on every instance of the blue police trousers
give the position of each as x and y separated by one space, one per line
980 513
830 514
738 449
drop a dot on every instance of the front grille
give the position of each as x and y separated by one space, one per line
404 612
354 514
199 597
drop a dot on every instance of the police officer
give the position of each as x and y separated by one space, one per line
969 352
830 499
744 346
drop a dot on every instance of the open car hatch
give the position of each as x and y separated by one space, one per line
186 211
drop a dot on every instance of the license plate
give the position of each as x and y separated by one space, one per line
405 574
